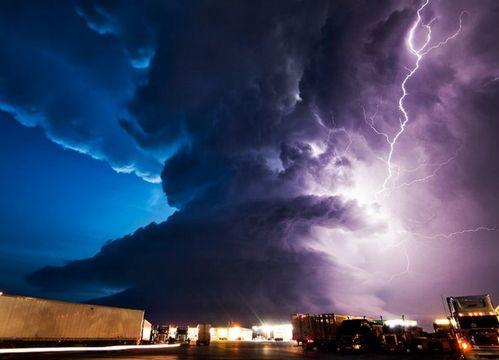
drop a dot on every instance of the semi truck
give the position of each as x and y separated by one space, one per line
316 330
29 321
400 335
182 335
204 336
476 326
348 333
443 339
359 335
162 334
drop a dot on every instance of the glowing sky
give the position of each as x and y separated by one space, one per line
323 156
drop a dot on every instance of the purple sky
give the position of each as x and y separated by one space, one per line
279 126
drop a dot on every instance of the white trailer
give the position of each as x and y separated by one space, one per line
31 320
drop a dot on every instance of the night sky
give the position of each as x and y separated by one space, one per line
244 160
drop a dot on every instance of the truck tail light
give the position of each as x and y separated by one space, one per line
310 341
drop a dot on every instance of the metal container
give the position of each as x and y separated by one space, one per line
33 319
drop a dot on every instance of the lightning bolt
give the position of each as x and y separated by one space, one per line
447 236
453 234
393 170
436 168
333 131
407 269
419 53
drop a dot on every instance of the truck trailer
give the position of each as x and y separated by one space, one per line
30 321
204 336
316 330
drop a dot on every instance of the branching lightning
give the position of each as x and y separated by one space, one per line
436 168
407 266
333 130
419 53
394 171
455 233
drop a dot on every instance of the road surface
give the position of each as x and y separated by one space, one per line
240 350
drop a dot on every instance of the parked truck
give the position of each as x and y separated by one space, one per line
400 335
28 321
204 336
182 335
316 330
443 339
476 326
162 334
359 334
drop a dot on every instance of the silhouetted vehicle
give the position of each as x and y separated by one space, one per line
359 335
162 332
419 344
181 337
443 340
316 330
204 335
391 343
403 337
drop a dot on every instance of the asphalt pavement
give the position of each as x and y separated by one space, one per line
228 350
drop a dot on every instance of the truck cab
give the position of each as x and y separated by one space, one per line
182 336
476 326
443 339
358 335
400 335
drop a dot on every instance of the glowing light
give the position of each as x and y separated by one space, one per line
282 332
232 333
442 322
401 322
192 333
86 348
222 333
463 344
172 332
238 333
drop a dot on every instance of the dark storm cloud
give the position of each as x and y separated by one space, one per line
237 98
209 261
59 75
229 76
127 22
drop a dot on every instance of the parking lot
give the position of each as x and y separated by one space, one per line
229 350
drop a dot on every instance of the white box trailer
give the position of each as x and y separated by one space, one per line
147 333
28 319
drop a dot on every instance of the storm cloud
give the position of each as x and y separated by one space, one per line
261 120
